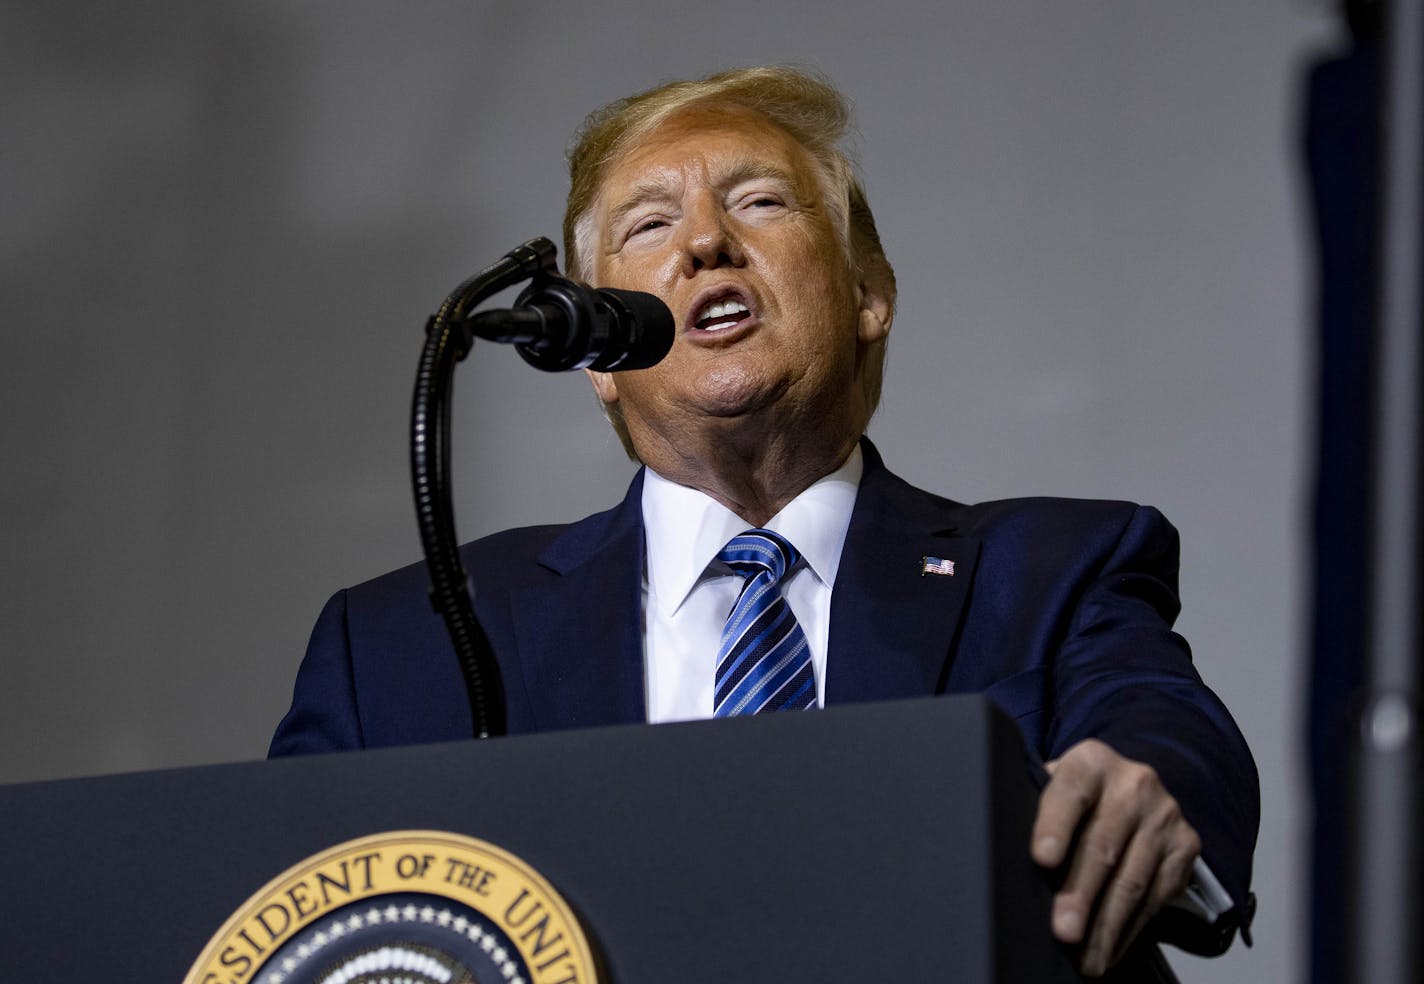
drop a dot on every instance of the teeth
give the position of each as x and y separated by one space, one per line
721 309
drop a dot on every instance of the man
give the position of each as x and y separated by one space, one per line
728 198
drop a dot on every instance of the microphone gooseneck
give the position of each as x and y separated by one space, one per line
556 324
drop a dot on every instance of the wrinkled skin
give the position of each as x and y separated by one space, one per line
725 201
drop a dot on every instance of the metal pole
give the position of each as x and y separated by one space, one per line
1384 911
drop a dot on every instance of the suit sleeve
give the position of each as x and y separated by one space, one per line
323 716
1123 676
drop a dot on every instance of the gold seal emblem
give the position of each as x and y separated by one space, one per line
418 906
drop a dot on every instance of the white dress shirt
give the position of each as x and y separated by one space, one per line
688 593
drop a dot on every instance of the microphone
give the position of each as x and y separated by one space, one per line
557 325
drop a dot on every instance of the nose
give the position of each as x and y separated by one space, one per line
708 240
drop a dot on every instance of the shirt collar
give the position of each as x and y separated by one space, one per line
686 528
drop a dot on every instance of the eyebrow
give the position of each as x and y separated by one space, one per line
639 195
737 171
750 169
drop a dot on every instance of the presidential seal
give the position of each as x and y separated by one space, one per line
405 907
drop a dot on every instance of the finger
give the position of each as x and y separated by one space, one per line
1155 868
1073 790
1101 847
1139 922
1172 878
1126 899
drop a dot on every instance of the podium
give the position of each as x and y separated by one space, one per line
868 843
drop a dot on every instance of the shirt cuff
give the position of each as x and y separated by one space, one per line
1204 917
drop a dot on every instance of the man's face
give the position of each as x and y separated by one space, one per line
719 213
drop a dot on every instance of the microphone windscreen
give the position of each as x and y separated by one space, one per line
641 334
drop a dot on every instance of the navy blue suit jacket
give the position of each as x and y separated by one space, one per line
1059 610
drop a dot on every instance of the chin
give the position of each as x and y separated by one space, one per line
735 403
731 391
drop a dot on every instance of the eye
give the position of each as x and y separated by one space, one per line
646 225
762 202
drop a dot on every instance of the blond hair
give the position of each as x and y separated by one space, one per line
807 107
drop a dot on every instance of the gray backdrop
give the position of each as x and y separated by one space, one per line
223 225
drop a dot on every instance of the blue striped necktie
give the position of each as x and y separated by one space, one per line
763 660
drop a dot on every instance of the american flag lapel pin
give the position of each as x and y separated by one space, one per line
936 565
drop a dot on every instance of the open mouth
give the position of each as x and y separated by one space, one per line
721 314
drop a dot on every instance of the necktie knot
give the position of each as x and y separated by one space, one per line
757 551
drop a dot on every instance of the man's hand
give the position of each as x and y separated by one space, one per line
1134 850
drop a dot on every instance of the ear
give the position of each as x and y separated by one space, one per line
604 386
876 313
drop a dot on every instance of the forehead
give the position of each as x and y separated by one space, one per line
711 143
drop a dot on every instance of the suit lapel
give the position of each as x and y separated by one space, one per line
580 633
893 626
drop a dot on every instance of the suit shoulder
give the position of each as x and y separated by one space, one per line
889 491
1058 511
506 558
513 547
506 551
1102 534
1028 525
